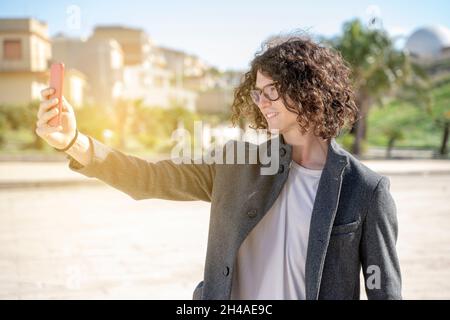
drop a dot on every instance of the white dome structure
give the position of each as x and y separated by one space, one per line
428 42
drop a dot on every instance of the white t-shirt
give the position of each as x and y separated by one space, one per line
271 260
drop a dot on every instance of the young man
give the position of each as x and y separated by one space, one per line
304 232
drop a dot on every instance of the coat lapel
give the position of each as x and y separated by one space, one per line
322 218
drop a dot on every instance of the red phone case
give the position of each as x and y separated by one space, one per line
56 82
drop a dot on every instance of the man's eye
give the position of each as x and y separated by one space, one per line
272 90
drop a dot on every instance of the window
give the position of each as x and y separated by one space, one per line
12 50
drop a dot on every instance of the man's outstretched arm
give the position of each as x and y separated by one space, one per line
139 178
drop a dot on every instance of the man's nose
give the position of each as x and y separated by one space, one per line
264 102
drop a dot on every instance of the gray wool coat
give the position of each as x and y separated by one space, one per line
353 223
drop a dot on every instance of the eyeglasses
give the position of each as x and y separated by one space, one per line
269 91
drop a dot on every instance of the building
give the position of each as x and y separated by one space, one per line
146 74
25 54
215 89
75 87
115 63
220 98
101 62
134 42
430 48
189 71
429 43
216 100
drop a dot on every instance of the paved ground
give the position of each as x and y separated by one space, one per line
92 241
96 242
18 173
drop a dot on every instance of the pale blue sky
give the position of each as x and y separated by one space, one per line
227 33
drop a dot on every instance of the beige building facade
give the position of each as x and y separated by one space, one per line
147 74
25 54
100 60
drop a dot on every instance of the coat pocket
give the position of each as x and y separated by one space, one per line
343 229
197 295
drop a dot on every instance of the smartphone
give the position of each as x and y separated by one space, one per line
56 82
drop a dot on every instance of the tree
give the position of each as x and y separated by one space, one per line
440 112
443 150
393 135
379 71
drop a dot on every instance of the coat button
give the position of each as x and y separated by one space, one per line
226 271
281 169
252 213
282 152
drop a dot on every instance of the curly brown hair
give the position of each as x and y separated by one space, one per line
313 82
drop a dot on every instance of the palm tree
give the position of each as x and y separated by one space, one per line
379 71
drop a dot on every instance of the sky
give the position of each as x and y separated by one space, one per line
226 34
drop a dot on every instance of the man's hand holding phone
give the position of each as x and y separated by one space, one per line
56 122
58 136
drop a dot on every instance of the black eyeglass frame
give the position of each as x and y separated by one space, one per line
259 91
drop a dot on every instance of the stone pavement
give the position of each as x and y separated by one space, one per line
22 174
